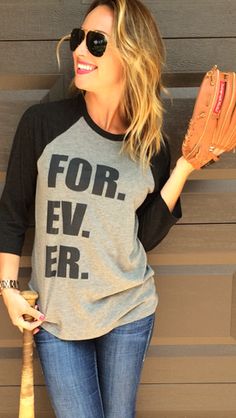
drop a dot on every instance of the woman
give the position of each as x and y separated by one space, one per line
97 167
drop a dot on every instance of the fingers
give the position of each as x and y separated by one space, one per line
36 329
35 313
33 325
21 323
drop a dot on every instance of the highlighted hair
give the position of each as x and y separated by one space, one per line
143 55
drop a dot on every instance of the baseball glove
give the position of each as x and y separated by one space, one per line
213 123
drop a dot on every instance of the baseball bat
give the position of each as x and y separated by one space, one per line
26 407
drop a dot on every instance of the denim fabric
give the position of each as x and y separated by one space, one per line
95 378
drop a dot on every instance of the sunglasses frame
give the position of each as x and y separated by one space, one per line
75 36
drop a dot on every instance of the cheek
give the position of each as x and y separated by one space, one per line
112 69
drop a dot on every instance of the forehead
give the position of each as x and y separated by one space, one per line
100 18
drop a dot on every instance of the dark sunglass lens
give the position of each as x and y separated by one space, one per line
76 37
96 43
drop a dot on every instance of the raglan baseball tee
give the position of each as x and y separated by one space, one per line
96 215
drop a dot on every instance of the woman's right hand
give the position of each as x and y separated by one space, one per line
17 306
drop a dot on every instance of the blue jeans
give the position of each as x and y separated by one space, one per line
95 378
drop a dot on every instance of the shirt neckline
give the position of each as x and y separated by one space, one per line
94 126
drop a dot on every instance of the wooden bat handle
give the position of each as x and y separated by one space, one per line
26 407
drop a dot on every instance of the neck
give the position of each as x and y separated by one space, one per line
105 111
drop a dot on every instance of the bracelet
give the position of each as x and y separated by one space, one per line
9 283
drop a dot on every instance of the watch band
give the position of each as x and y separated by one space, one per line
9 283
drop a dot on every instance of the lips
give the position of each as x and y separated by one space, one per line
80 71
85 63
85 67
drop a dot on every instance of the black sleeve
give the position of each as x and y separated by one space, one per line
19 190
154 216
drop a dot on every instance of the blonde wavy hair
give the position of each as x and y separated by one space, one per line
143 55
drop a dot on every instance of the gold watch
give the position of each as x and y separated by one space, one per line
9 283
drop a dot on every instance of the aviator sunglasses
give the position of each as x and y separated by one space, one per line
96 42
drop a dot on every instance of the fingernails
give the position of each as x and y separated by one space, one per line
42 317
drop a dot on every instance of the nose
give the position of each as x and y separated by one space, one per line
81 48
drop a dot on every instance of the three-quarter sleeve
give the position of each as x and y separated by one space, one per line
19 190
155 218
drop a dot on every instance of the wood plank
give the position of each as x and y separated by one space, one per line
209 201
217 171
176 259
179 320
183 246
183 240
150 397
18 82
212 208
183 414
221 171
156 414
219 186
193 397
194 306
25 261
10 395
47 414
210 51
11 368
12 106
188 341
158 368
201 258
205 19
181 111
156 341
193 244
17 93
199 202
195 369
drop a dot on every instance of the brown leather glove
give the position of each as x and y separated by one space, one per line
213 123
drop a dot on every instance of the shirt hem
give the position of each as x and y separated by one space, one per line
101 332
